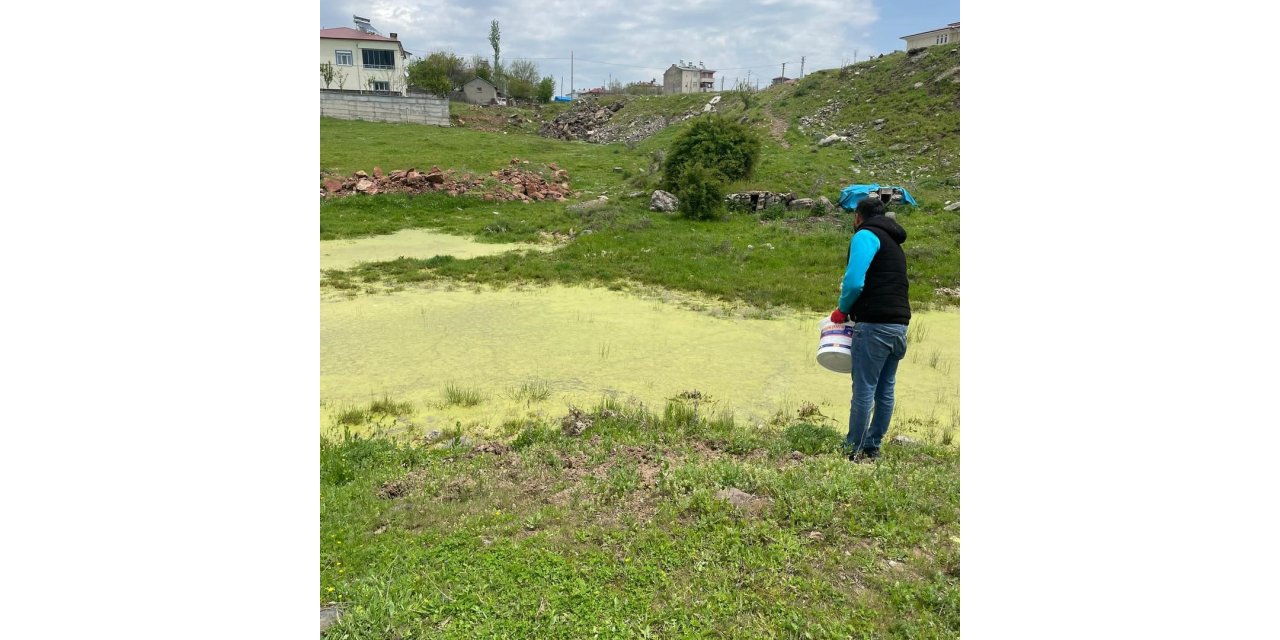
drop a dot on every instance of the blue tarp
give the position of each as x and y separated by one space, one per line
850 195
564 99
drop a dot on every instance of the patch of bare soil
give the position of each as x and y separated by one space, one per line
778 129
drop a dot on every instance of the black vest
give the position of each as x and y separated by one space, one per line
884 295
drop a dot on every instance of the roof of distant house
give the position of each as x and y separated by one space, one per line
953 25
347 33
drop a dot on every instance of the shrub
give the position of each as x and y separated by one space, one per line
722 146
701 193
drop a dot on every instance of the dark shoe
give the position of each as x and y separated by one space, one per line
866 456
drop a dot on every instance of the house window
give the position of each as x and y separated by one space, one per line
342 58
942 39
378 58
381 86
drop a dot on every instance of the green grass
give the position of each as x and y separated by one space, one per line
790 261
532 391
620 533
624 242
462 396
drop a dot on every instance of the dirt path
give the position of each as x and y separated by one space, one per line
777 129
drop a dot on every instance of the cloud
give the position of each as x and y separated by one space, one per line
640 40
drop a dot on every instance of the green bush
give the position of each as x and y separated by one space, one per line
701 193
720 145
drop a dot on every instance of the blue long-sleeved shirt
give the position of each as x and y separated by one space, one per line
862 248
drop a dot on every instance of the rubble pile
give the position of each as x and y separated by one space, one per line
821 119
580 121
513 183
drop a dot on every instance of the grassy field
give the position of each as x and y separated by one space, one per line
621 522
641 526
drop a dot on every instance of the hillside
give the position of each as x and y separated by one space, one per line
900 113
898 134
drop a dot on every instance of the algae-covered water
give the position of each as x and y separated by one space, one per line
408 243
585 344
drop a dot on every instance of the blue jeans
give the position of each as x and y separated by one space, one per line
877 348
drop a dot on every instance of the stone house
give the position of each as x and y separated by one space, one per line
480 91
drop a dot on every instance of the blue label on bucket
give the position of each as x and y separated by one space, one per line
838 331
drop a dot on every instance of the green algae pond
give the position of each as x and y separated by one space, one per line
526 352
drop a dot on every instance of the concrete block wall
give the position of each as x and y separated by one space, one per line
416 109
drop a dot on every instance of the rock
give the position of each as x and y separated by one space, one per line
830 140
377 172
736 497
826 204
365 185
617 169
891 215
918 85
663 201
800 203
328 616
434 178
361 174
879 121
636 194
901 439
898 147
954 206
331 185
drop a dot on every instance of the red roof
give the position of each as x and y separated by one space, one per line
347 33
949 27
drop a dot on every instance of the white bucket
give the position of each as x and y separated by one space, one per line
835 346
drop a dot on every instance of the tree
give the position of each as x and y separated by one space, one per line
615 86
439 73
722 146
327 73
546 89
494 37
701 193
480 68
522 79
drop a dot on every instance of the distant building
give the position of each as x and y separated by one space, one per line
368 61
686 78
949 34
480 91
781 80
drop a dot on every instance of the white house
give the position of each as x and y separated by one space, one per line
949 34
363 60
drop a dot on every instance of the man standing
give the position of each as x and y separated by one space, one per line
874 295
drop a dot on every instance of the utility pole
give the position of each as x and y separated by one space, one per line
784 70
748 77
855 56
561 83
721 84
801 66
570 75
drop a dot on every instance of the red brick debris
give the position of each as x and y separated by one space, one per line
512 183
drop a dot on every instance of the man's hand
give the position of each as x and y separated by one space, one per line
839 317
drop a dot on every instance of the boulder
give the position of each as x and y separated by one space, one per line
831 139
364 185
663 201
954 206
800 203
826 204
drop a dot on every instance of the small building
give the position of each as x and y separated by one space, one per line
781 80
480 91
949 34
687 78
363 60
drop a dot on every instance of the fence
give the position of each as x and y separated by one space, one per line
416 109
